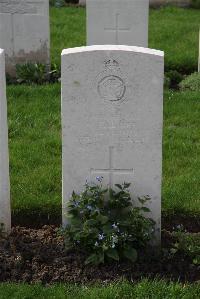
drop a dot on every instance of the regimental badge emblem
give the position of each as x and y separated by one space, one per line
111 85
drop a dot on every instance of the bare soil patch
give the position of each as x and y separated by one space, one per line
39 255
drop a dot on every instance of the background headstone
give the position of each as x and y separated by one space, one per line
112 98
5 216
24 32
117 22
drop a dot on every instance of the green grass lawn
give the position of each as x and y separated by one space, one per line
143 290
181 152
35 151
173 30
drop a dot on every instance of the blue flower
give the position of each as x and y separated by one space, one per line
114 239
99 178
76 204
89 207
101 236
114 226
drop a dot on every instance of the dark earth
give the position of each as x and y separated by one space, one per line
39 255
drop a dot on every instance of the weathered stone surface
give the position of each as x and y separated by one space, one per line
24 31
5 216
117 22
112 100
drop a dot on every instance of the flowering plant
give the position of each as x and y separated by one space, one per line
104 224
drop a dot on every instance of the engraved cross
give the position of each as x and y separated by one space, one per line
20 7
117 28
111 170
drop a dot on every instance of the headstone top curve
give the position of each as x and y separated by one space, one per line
112 48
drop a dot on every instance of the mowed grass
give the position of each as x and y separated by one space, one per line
35 151
68 30
158 289
176 32
173 30
181 152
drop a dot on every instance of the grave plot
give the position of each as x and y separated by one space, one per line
112 120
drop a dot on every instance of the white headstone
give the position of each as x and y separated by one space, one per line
24 31
117 22
5 216
112 98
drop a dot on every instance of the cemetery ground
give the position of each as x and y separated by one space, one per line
35 169
34 120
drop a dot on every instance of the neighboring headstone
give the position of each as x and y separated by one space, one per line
112 98
117 22
5 216
24 32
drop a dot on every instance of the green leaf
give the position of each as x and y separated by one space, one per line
103 219
113 254
145 209
112 193
74 195
196 260
92 259
126 185
107 229
100 258
77 236
104 191
130 253
147 197
119 186
141 200
95 259
75 221
173 250
91 222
